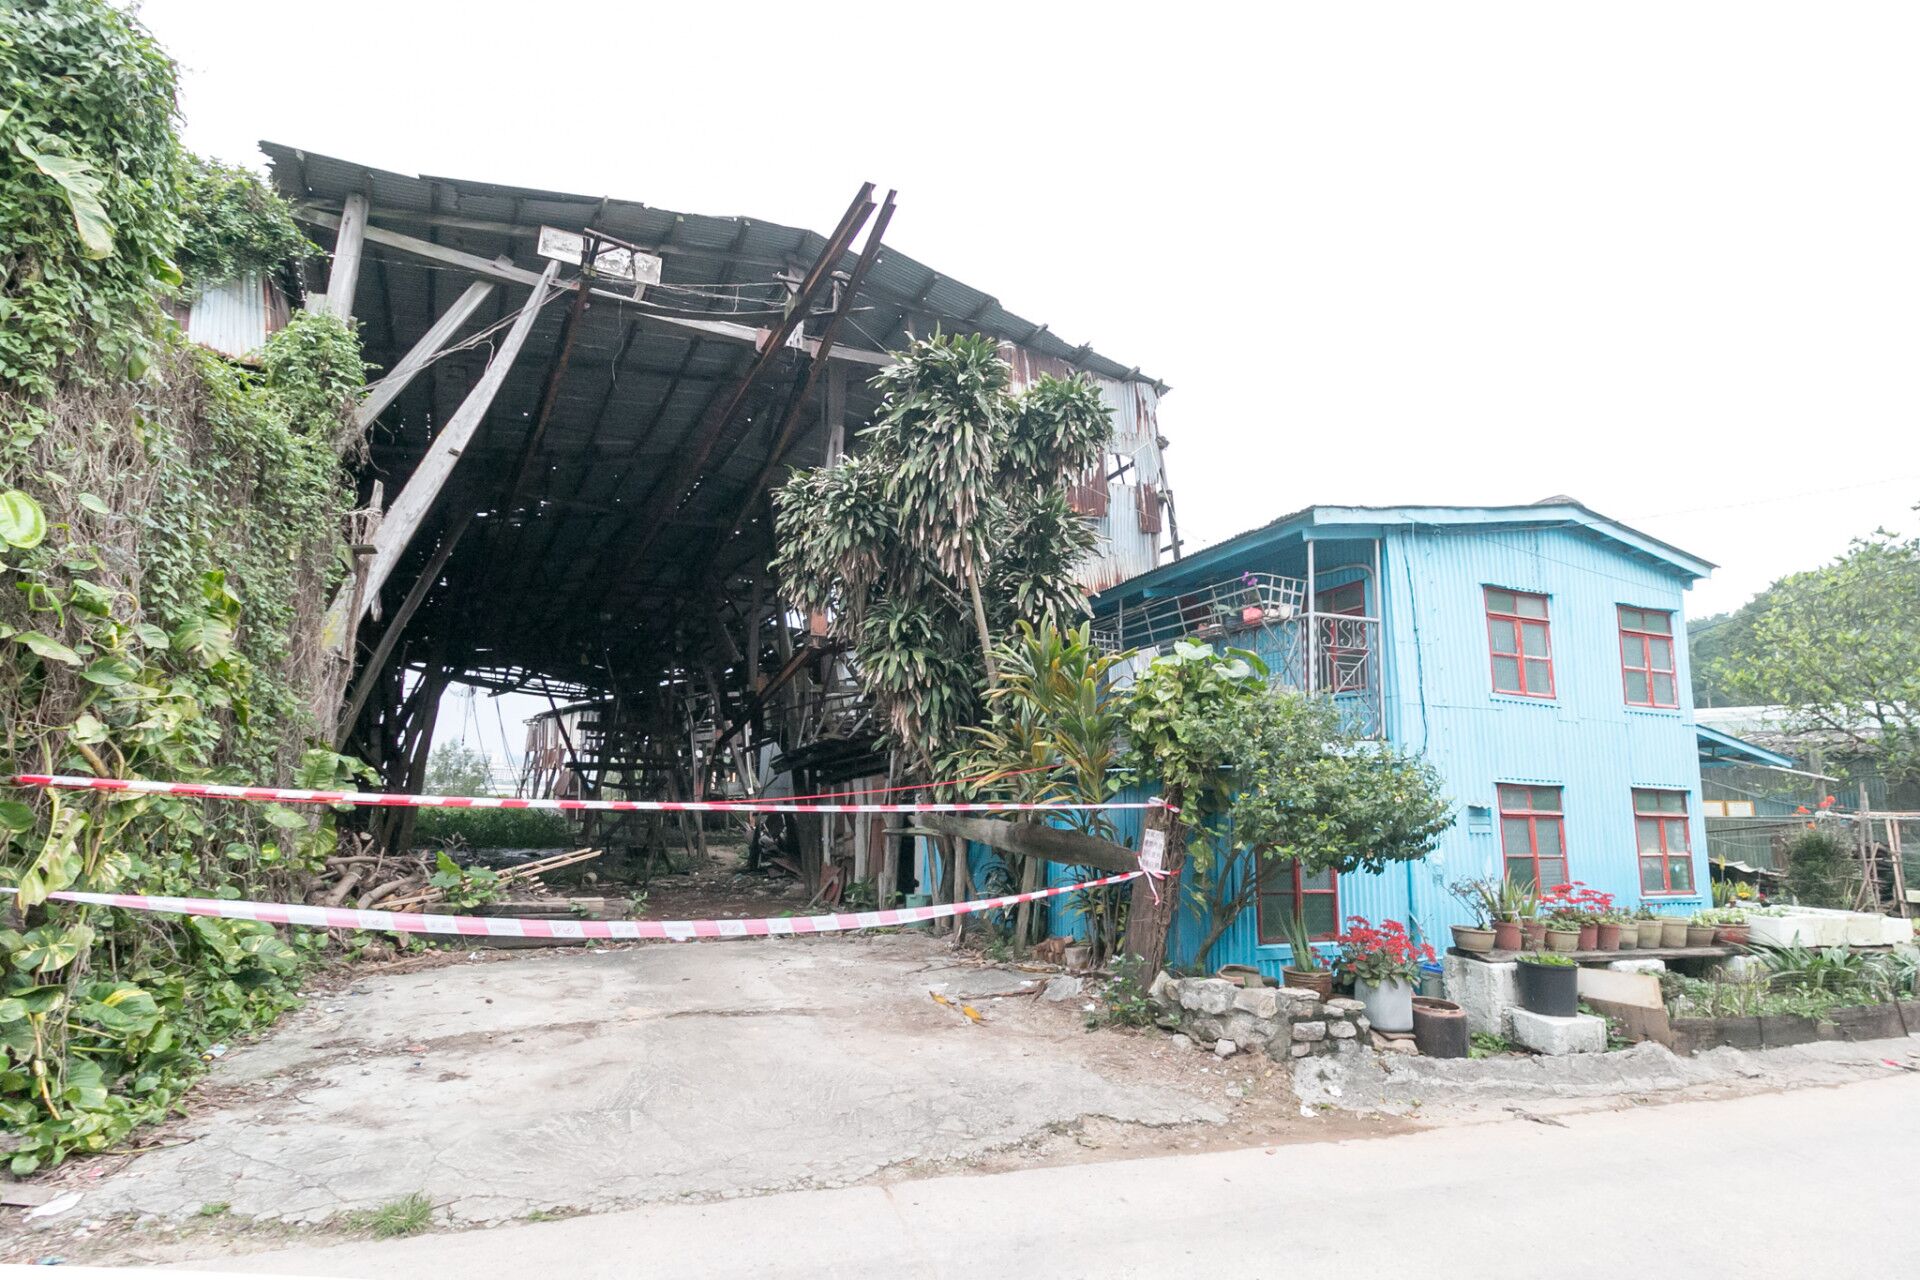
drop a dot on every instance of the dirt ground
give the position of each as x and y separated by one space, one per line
536 1084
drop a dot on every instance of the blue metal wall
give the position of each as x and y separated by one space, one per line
1438 702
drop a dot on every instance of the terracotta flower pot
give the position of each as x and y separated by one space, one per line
1533 934
1589 937
1607 937
1673 933
1699 935
1469 938
1318 981
1563 939
1252 615
1440 1028
1507 935
1732 935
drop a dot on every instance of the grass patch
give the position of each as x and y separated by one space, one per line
406 1216
218 1209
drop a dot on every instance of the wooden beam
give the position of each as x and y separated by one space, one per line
349 247
416 596
503 270
1055 844
416 498
380 394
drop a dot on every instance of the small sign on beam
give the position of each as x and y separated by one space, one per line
610 262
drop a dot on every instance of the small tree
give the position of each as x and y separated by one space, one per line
1839 646
455 769
1307 789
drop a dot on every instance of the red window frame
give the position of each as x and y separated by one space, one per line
1637 640
1297 889
1343 668
1514 625
1522 802
1672 843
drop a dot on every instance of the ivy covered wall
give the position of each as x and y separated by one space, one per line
171 526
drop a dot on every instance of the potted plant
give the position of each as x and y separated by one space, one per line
1673 931
1700 930
1563 936
1305 969
1483 899
1729 925
1516 906
1549 984
1607 932
1574 902
1629 930
1251 614
1384 964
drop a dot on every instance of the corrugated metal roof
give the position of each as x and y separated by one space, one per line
549 586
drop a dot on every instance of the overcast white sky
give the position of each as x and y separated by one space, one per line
1662 257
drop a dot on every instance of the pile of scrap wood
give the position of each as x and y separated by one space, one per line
363 878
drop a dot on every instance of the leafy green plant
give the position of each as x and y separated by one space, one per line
1487 1044
1553 959
170 529
1300 941
463 886
1123 1000
494 829
1821 871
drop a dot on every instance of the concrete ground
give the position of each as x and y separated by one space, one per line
572 1080
1798 1184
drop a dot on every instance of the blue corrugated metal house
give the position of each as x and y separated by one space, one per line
1535 655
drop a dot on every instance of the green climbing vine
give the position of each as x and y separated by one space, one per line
170 529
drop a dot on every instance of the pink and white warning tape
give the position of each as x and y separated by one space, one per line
510 927
390 799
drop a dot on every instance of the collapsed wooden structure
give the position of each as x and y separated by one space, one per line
579 408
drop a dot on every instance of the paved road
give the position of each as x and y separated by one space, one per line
1802 1184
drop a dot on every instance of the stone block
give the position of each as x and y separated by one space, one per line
1161 992
1296 1002
1485 990
1342 1030
1301 1050
1261 1002
1206 1028
1182 1042
1343 1005
1309 1031
1582 1033
1063 988
1246 1030
1207 995
1225 1048
1637 966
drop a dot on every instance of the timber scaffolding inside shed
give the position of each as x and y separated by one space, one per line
570 461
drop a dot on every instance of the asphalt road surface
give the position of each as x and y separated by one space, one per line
1809 1183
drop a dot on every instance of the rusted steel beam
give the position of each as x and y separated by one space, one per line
694 463
790 421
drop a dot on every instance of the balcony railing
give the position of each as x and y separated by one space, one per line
1332 654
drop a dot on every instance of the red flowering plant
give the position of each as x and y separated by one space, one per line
1378 955
1572 905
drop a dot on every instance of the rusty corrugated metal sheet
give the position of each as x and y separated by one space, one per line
237 318
1129 521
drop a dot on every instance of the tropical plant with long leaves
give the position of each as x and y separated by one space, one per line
949 525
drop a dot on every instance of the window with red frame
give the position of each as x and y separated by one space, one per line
1533 837
1665 840
1285 888
1646 657
1344 647
1522 649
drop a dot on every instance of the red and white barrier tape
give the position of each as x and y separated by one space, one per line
511 927
396 800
